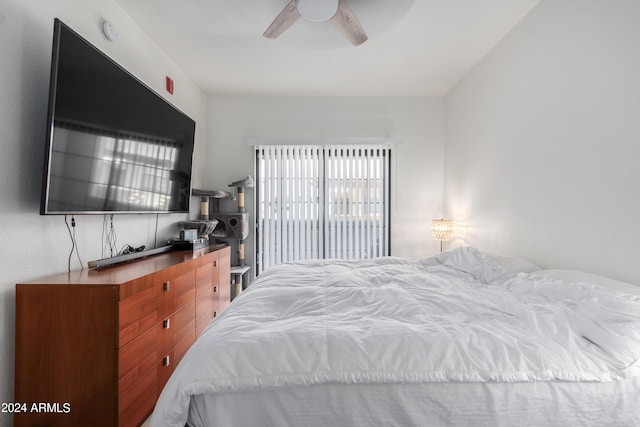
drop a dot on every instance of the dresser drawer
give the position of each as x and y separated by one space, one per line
177 327
203 325
138 357
177 291
169 361
137 314
141 354
206 294
136 404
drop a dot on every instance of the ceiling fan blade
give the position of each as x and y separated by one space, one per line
347 22
283 21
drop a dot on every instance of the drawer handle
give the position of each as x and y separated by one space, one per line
166 323
166 286
215 314
166 361
215 263
215 289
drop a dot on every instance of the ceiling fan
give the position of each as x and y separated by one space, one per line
335 11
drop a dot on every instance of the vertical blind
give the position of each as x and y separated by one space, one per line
317 202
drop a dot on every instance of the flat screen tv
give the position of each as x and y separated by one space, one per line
113 145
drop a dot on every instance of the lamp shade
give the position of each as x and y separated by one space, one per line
441 229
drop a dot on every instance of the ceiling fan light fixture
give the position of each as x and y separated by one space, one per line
334 11
317 10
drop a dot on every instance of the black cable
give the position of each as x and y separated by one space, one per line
112 238
73 244
155 234
73 225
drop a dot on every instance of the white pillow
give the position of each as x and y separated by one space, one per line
574 276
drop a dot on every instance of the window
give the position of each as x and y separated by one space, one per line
317 201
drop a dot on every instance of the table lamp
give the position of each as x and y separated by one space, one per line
441 229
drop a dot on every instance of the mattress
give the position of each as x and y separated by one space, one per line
457 339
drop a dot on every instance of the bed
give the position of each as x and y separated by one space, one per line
462 338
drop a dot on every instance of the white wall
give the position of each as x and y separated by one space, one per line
416 121
543 140
33 245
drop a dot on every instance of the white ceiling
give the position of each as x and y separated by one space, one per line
415 47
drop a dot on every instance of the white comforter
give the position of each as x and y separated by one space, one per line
456 317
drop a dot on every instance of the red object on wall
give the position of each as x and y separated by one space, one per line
169 81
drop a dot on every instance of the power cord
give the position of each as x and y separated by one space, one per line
109 231
74 245
128 249
155 234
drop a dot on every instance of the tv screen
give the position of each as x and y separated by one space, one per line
113 144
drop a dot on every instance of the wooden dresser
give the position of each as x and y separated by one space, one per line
95 348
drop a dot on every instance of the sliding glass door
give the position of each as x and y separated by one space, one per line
315 201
